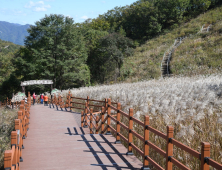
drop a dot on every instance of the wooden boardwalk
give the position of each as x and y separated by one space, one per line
56 141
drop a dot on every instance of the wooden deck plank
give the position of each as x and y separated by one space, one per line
50 146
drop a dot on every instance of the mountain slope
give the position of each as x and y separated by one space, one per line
198 54
13 32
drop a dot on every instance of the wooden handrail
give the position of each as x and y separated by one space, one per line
78 98
137 149
123 137
137 121
137 135
77 103
95 105
162 135
14 156
77 108
185 148
160 151
213 163
100 122
93 100
156 165
178 164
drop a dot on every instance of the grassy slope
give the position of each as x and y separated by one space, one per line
198 52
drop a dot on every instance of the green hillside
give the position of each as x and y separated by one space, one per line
199 53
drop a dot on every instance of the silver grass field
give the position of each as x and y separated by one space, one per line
192 105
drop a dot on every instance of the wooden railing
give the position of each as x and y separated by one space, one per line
14 156
9 103
99 122
58 102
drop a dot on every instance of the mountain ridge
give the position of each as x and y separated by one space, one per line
13 32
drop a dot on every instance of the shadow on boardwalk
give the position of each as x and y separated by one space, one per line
97 154
56 141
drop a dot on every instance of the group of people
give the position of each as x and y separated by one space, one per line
43 98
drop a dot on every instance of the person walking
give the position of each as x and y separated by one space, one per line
41 98
34 97
45 100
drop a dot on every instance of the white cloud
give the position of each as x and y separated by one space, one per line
37 6
103 2
84 17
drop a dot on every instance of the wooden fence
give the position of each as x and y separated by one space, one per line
10 104
97 117
14 156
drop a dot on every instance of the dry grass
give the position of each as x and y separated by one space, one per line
7 119
192 105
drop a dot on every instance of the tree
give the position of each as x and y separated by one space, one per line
140 21
198 6
171 11
110 54
54 50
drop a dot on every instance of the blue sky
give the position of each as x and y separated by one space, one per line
28 12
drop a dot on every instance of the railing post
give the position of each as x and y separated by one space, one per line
70 100
109 119
117 124
87 100
146 139
102 119
8 159
82 118
18 126
14 142
169 149
27 115
86 112
20 116
91 121
97 124
106 101
22 108
205 153
130 135
26 127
